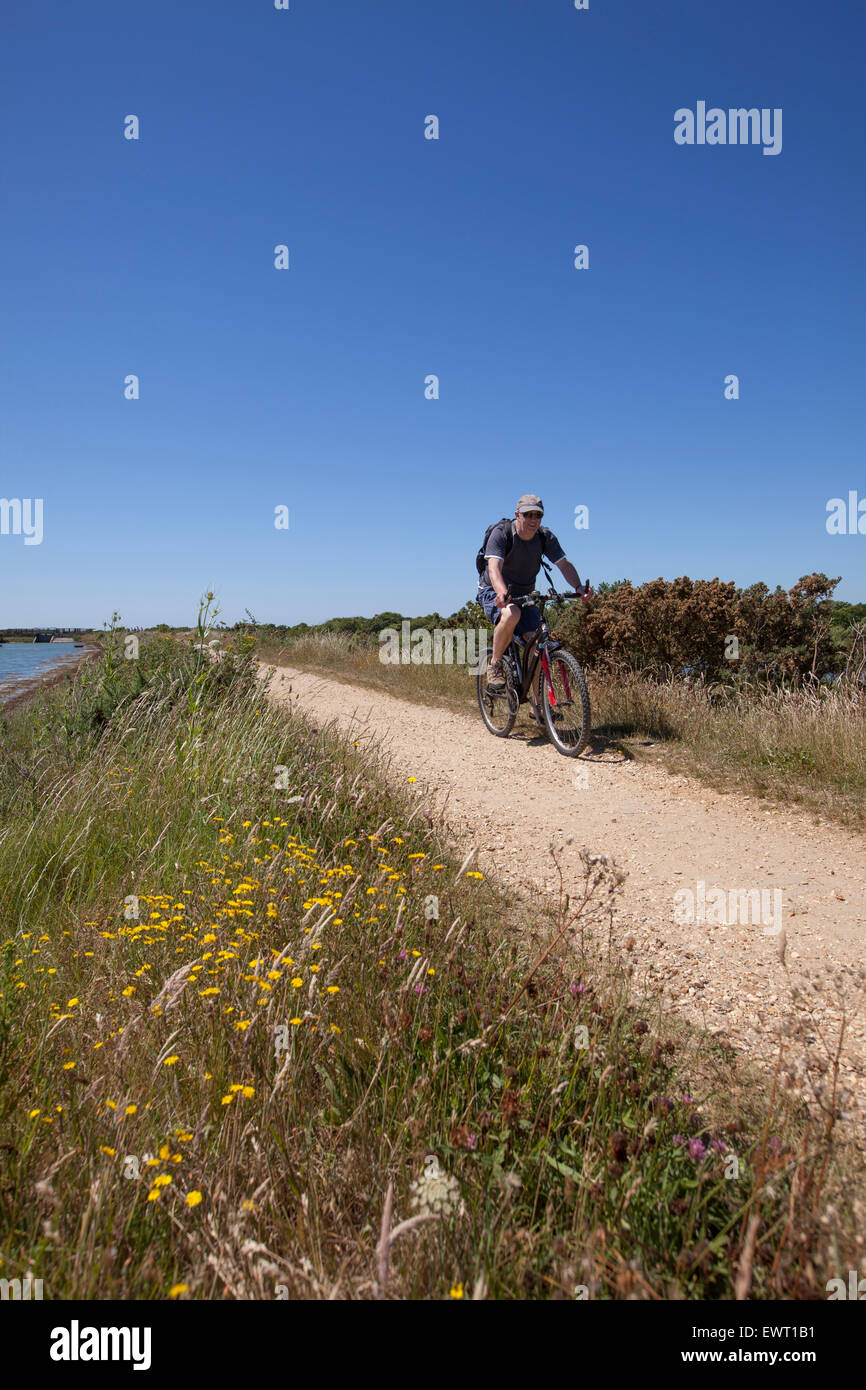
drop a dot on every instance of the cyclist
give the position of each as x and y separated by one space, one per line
511 573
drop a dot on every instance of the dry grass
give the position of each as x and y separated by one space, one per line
804 745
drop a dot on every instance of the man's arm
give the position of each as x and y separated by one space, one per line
572 577
497 583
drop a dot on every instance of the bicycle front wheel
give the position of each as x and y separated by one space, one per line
565 705
498 708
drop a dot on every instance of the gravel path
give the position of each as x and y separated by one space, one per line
513 797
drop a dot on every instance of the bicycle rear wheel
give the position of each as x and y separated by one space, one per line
498 708
565 705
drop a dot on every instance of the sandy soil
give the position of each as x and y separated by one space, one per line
514 797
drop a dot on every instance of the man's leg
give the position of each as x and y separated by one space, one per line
539 685
502 634
536 687
504 630
531 623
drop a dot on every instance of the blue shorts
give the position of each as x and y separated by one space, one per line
529 620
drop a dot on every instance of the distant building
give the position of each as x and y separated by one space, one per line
50 634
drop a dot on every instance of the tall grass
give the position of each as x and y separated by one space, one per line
262 1036
804 745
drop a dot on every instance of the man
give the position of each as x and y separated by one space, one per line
513 574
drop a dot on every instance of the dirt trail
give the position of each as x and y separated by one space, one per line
513 797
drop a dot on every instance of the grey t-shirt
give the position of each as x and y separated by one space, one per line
523 562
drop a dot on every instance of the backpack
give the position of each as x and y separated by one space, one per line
480 562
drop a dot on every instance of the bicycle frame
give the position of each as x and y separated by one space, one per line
531 652
529 660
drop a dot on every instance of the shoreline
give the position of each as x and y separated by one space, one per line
28 686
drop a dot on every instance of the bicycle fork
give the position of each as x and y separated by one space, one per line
545 667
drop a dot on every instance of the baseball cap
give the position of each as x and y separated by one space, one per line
530 503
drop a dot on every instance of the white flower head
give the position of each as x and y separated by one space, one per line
436 1193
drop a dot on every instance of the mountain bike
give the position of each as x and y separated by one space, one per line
565 712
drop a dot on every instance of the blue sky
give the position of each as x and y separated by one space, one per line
408 257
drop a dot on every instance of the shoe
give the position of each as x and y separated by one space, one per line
495 676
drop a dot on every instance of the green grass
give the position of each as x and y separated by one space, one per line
240 964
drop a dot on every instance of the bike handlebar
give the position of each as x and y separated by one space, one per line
536 597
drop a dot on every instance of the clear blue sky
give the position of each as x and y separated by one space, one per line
408 257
